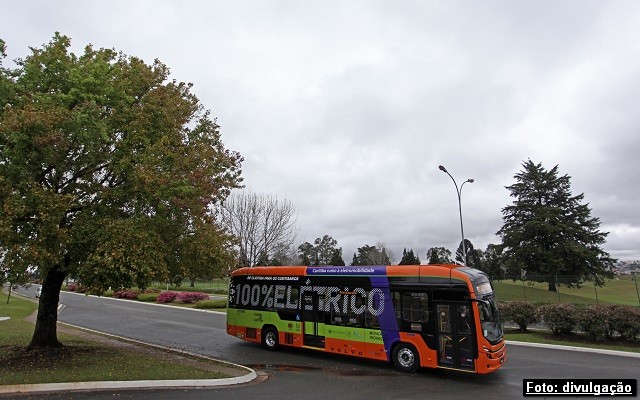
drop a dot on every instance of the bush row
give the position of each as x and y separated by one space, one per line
211 304
181 297
600 322
134 294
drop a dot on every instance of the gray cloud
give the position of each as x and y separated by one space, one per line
348 108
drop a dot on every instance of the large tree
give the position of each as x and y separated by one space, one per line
372 255
323 251
549 234
262 223
438 255
409 258
473 256
492 262
108 172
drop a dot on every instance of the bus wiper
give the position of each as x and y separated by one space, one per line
485 302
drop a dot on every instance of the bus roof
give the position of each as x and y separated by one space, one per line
435 270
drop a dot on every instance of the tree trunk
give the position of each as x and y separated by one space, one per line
553 286
46 334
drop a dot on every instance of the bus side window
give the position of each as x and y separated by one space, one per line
354 302
416 307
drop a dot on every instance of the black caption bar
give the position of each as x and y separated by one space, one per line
580 387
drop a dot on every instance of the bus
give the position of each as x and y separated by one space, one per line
434 316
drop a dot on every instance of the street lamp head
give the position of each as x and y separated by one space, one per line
443 169
470 180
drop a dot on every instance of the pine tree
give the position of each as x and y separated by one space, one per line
409 258
549 234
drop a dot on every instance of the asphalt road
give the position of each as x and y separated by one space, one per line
305 374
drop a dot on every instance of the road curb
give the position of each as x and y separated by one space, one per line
103 385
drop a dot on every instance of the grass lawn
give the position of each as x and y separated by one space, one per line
87 358
620 290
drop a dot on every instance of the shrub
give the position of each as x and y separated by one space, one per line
72 287
152 290
560 318
191 297
166 297
126 294
211 304
594 321
626 321
521 313
148 297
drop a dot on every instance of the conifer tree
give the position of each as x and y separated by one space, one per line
549 234
409 258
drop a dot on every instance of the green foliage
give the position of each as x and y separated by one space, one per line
147 297
594 321
521 313
439 255
626 321
548 232
473 256
211 304
409 258
492 262
560 318
108 172
336 257
371 255
323 251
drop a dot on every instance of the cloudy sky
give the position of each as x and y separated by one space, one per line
346 108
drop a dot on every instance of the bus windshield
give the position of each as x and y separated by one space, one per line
490 319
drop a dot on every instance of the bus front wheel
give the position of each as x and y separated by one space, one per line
270 338
406 358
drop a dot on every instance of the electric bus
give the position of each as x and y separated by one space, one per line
434 316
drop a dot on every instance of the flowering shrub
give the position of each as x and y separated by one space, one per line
626 321
521 313
166 297
594 321
126 294
72 287
560 318
191 297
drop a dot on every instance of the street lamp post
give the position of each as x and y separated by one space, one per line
459 192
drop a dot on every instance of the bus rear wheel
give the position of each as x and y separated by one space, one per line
270 338
406 358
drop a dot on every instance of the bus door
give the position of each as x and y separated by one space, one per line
312 320
454 325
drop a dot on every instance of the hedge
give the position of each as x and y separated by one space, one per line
521 313
211 304
191 297
166 297
598 321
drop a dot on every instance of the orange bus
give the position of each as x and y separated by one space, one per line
434 316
